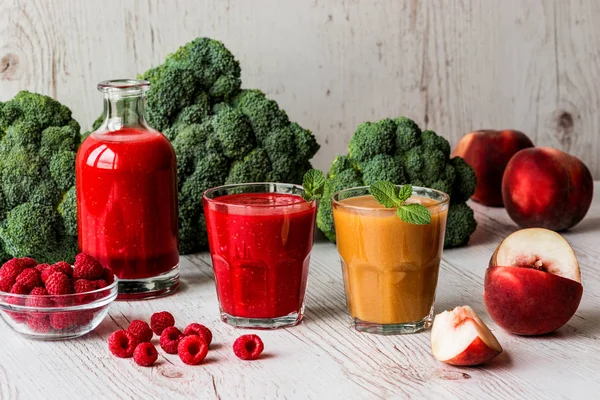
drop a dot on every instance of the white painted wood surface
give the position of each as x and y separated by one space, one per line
453 66
323 358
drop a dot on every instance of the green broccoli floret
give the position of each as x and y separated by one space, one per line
220 133
264 114
202 69
460 225
397 151
36 231
234 132
465 182
383 167
371 139
37 176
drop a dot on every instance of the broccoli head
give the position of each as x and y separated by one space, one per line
38 145
220 133
396 150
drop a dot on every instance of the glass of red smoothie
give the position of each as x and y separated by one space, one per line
260 237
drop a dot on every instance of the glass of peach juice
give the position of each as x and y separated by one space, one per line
390 266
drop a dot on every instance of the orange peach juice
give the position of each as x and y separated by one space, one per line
390 266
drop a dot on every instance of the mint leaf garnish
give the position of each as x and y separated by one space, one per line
414 214
405 192
389 195
313 183
385 193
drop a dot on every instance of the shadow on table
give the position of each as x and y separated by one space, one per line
587 225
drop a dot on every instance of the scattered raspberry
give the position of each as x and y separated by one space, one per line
145 354
87 267
248 347
30 278
39 323
10 270
83 285
161 320
100 283
169 339
199 330
64 320
140 330
58 283
37 298
42 267
28 262
18 288
121 343
192 349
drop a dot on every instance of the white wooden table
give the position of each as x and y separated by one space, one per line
323 357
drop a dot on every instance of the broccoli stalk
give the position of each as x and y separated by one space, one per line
397 151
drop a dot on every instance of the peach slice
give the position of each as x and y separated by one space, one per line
459 337
533 283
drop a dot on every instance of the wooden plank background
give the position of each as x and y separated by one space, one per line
452 65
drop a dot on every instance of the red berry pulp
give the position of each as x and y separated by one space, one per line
127 202
260 245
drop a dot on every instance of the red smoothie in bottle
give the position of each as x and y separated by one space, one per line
126 176
260 245
127 199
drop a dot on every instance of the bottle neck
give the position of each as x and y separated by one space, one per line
124 111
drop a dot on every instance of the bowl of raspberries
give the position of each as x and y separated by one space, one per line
57 301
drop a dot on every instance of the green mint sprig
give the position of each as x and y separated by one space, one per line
390 196
313 183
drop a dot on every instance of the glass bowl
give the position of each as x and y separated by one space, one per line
57 317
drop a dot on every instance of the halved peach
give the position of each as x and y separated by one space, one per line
533 283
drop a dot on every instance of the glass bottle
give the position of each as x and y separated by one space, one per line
127 195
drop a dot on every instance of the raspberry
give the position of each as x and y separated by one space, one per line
28 262
169 339
37 298
140 330
18 288
65 268
17 316
145 354
100 283
52 269
64 320
83 285
87 267
10 270
30 278
248 347
85 317
121 344
39 323
192 349
58 283
5 285
199 330
161 320
41 267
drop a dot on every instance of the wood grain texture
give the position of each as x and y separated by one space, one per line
324 357
453 66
